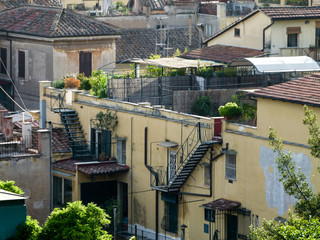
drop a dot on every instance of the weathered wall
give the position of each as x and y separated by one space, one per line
32 174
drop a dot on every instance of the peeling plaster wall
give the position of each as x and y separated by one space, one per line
275 194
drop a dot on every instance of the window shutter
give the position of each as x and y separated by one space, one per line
21 64
85 63
3 63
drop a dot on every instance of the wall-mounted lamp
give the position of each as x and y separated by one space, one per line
307 22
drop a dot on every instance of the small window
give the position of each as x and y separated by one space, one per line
231 166
62 191
207 175
121 151
209 215
21 64
3 62
237 32
292 35
208 30
85 63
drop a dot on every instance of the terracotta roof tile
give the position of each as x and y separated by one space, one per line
304 90
51 22
222 53
141 43
281 13
94 168
222 204
18 3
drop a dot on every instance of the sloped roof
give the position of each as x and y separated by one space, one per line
304 90
221 204
221 53
285 13
141 43
91 168
9 196
18 3
51 22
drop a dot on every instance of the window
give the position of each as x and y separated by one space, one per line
231 166
292 36
85 63
62 191
100 143
317 35
209 215
170 219
208 30
3 62
21 64
121 151
237 32
207 175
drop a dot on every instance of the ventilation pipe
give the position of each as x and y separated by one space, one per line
190 31
43 114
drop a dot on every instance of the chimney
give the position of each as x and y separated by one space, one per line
2 5
190 31
27 134
43 114
221 10
44 142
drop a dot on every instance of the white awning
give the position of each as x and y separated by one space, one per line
168 144
176 62
279 64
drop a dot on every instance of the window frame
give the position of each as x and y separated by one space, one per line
63 191
171 224
237 32
85 63
121 151
4 63
209 215
22 55
292 40
231 166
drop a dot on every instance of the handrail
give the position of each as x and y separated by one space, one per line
56 95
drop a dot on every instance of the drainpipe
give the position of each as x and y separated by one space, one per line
156 177
131 182
50 159
264 35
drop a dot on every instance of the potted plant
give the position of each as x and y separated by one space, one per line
230 111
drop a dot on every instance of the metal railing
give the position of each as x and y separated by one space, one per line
17 148
56 99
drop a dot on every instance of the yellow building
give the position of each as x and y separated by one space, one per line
283 31
172 174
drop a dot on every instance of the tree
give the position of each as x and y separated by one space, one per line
28 230
76 222
9 186
306 225
203 106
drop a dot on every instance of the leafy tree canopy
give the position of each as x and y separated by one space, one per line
9 186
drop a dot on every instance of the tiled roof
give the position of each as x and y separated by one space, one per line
141 43
221 53
282 13
51 22
156 4
60 142
221 204
304 90
94 168
18 3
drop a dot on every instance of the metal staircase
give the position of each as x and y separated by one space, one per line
188 156
73 129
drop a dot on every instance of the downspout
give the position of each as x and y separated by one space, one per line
264 34
210 194
50 159
131 182
156 177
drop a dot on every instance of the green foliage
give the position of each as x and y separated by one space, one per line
227 72
297 2
203 106
10 187
204 71
230 110
120 7
106 121
294 228
76 222
84 82
99 84
28 230
58 84
154 71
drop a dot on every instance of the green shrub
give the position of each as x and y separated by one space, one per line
9 186
230 110
227 72
99 84
58 84
84 82
203 106
76 222
28 230
297 2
